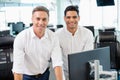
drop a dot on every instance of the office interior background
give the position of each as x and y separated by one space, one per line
91 14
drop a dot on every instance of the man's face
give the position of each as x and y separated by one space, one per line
71 19
40 21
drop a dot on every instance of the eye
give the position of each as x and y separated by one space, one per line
68 17
74 17
45 19
38 19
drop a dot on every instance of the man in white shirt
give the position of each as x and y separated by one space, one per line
73 38
34 47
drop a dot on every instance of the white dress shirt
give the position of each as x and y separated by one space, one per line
82 40
31 55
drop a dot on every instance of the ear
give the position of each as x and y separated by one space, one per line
79 18
64 18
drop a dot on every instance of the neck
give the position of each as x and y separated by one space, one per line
72 30
39 34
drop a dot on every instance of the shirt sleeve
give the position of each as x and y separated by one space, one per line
18 54
56 55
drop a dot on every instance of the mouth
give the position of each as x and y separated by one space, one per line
71 24
41 27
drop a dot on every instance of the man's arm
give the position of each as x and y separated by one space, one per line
58 73
18 76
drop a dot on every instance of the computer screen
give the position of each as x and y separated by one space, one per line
78 62
105 3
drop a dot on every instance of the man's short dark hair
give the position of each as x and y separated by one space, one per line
71 8
40 8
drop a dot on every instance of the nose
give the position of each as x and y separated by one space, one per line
40 22
71 19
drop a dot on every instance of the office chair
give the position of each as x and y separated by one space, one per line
59 26
110 29
4 33
50 25
91 28
9 24
31 24
108 38
17 28
6 49
52 29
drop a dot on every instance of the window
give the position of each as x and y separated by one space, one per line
100 17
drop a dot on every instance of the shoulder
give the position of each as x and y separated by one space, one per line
23 34
51 35
25 31
85 30
49 32
59 31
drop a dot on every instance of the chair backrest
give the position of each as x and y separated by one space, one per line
110 29
10 24
18 27
6 42
59 26
91 28
108 38
50 25
5 33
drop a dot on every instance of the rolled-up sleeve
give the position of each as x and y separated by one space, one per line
56 53
18 54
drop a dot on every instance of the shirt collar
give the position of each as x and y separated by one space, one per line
69 33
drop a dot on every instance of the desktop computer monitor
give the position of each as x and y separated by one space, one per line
105 3
78 62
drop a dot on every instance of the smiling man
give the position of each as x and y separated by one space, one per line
73 38
33 48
